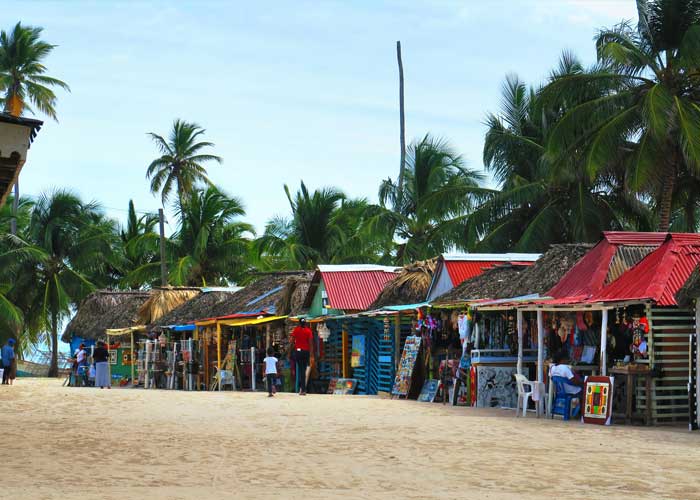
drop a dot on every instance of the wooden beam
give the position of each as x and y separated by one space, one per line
519 314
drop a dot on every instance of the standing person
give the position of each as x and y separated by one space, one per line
302 338
101 358
80 362
270 370
9 362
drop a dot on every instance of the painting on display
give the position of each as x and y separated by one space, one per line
495 387
112 357
598 397
342 386
357 358
126 358
402 381
427 394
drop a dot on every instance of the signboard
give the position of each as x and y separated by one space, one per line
598 398
357 357
402 381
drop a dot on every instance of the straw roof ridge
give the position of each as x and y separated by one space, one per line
507 281
163 300
291 299
261 294
104 309
409 287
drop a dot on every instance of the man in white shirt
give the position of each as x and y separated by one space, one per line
561 369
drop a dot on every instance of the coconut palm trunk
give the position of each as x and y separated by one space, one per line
402 125
53 367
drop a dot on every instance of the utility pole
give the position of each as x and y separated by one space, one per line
163 270
402 119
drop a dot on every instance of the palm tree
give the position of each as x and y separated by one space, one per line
181 164
540 203
439 191
22 72
210 245
324 228
68 248
639 107
139 243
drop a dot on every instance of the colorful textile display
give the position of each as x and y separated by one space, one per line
598 399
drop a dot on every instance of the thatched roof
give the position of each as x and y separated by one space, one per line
507 281
105 309
409 287
292 297
163 300
690 290
265 293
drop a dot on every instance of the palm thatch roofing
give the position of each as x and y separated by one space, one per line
105 309
507 281
263 294
292 297
690 290
409 287
162 300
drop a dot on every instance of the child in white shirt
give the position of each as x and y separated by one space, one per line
270 363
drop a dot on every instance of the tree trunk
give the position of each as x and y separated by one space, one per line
53 368
402 125
15 207
665 199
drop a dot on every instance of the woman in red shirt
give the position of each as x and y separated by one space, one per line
302 337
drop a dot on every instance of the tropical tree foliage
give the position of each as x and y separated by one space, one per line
23 78
324 228
209 247
181 164
439 191
63 254
638 107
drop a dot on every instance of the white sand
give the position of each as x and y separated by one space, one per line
69 443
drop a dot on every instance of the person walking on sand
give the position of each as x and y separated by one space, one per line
302 338
101 357
9 362
270 370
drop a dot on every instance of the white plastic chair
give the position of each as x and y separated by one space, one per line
526 388
226 378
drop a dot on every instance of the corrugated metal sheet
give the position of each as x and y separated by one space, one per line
610 258
354 290
460 271
659 275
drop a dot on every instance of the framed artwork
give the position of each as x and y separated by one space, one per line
126 358
342 386
495 387
430 388
357 357
598 399
404 373
112 357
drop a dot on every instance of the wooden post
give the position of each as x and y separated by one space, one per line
519 314
252 368
267 337
697 364
540 347
344 347
218 352
397 340
132 358
604 343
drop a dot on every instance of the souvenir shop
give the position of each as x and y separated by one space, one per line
231 351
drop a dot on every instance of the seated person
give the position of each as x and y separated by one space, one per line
560 368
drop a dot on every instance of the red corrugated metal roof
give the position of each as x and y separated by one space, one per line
589 274
354 290
659 275
460 271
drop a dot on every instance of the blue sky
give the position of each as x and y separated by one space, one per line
286 90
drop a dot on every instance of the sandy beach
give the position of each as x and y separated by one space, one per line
120 444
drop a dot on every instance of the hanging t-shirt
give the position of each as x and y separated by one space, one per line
270 365
463 326
565 371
